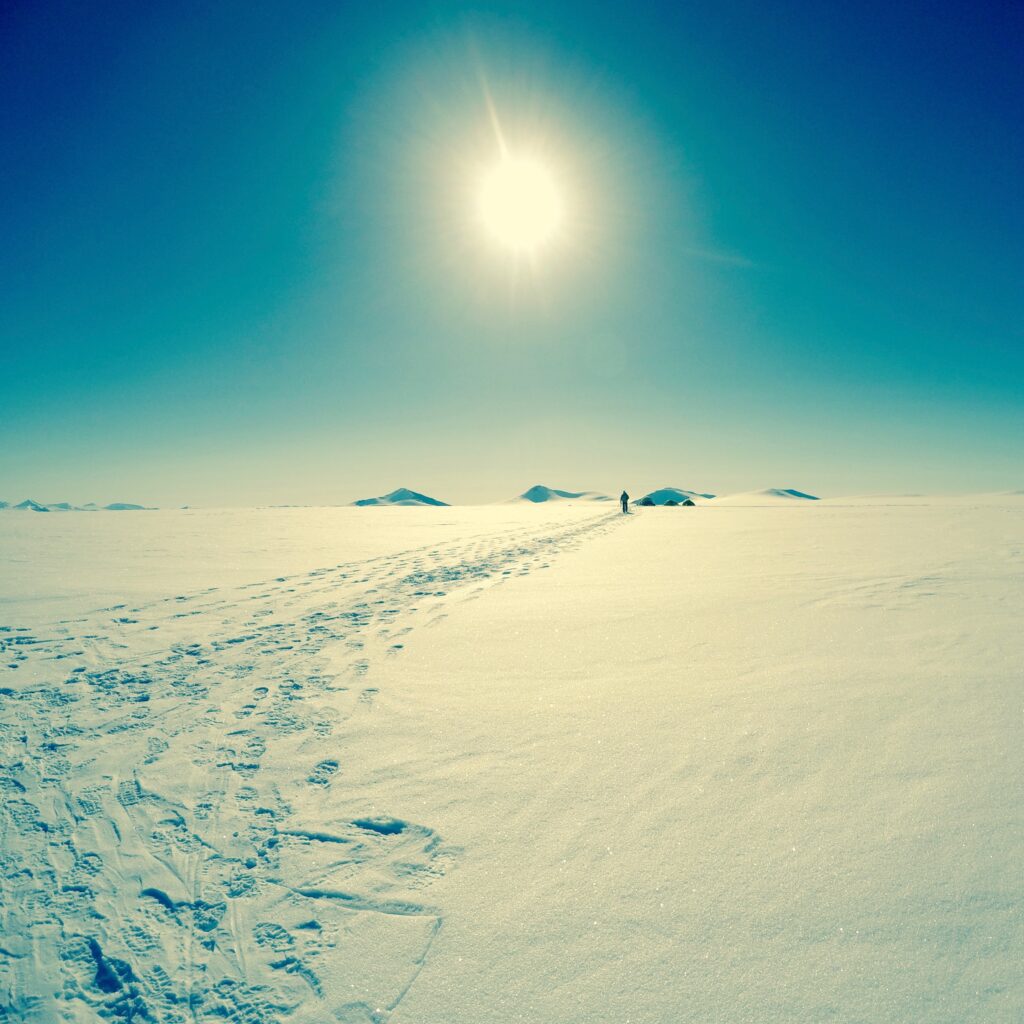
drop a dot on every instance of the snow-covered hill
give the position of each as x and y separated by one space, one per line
677 494
401 496
768 496
539 494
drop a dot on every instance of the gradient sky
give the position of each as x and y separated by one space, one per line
239 261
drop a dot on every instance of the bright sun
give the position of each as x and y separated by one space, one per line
519 204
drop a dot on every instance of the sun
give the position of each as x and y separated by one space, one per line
519 204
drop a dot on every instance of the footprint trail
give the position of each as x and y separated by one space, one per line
177 843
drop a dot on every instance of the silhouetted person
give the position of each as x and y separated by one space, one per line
624 498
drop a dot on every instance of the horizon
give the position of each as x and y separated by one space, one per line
104 504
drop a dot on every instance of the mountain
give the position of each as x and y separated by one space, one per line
66 506
539 494
401 496
676 494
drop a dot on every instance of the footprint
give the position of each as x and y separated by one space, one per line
322 774
273 936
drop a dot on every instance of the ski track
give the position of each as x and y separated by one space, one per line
176 842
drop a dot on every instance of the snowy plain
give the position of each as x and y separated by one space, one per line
752 762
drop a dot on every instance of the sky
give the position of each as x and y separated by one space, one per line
242 260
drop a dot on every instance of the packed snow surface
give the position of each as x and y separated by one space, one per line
507 764
539 494
54 567
401 496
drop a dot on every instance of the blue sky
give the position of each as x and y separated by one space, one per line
240 262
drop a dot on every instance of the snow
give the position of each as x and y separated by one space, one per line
768 496
401 496
539 494
506 764
54 567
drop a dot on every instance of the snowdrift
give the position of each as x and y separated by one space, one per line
769 496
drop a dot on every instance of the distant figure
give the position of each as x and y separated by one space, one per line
624 498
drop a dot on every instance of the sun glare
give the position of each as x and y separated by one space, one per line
519 204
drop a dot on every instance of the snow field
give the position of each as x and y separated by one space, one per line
538 764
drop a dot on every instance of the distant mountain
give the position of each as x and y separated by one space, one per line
402 496
540 494
66 506
677 494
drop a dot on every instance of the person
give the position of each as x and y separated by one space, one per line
624 498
